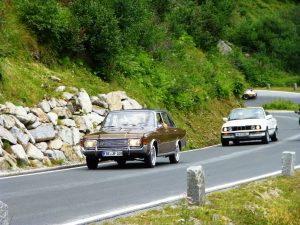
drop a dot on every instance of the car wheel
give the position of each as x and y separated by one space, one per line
236 142
245 96
150 160
121 162
176 156
224 142
92 162
266 139
275 135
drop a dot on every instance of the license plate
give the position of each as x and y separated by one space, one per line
112 153
242 134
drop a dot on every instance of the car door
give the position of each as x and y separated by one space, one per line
271 122
170 132
162 134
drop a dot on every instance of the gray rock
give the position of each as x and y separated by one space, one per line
19 152
60 89
9 108
55 78
21 114
77 149
114 100
45 106
67 96
36 163
224 47
196 185
34 125
102 97
5 134
68 123
31 118
40 114
62 113
131 104
69 152
33 152
45 132
61 103
56 154
43 146
4 165
8 121
1 150
10 160
84 101
52 103
1 122
4 220
55 144
21 137
100 111
84 124
53 118
95 118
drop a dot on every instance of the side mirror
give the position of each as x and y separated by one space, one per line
225 119
268 117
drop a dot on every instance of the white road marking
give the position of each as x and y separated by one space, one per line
134 208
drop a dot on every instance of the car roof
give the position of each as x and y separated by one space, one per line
250 107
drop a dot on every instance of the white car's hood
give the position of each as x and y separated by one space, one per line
248 122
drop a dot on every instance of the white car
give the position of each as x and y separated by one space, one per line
249 93
244 124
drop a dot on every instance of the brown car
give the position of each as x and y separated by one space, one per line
134 134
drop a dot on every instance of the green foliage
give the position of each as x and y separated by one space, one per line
6 144
282 105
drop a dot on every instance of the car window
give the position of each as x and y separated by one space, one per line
246 113
167 120
129 119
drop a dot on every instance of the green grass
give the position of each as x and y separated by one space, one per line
273 201
282 105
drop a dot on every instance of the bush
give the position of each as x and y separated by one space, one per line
282 105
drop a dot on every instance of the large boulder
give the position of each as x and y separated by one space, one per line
45 132
85 101
33 152
19 152
84 124
55 144
8 121
53 118
131 104
62 112
68 135
6 135
21 137
68 122
45 106
40 114
43 146
99 110
95 118
69 152
114 100
21 114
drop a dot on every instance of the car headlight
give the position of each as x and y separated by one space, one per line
134 142
225 129
90 143
258 127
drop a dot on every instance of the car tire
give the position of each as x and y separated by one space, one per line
121 162
275 135
176 156
245 96
92 162
150 160
224 142
266 139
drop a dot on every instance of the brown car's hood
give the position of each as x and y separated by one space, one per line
120 133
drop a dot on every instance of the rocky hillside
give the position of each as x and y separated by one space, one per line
50 132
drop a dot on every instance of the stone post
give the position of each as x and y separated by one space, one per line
3 214
295 87
288 162
268 86
196 185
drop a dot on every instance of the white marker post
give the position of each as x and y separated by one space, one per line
288 163
196 185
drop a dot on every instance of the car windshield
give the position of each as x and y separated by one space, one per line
129 119
247 113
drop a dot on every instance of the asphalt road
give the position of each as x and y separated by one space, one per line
68 195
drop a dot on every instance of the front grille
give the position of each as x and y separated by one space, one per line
112 143
241 128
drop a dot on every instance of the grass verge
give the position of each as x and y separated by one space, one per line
273 201
282 105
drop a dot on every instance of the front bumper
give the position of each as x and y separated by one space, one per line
249 135
127 153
